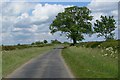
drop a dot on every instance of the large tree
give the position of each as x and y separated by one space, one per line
105 27
74 22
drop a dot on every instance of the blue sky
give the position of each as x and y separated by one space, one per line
68 3
25 22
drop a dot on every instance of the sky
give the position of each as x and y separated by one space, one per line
28 21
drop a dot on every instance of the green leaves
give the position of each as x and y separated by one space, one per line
74 21
105 27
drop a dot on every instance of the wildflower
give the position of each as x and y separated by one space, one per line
115 51
98 45
111 54
105 54
107 49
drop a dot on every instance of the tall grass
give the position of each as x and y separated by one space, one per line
89 63
13 59
0 62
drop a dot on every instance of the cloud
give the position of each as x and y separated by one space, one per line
16 8
102 6
26 24
7 23
47 10
45 13
41 14
7 38
23 21
106 8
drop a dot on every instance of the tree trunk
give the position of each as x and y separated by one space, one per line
74 41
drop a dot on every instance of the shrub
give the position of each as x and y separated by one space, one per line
113 44
8 48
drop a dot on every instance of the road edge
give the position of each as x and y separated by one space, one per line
29 61
66 66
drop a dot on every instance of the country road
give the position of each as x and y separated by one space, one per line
47 65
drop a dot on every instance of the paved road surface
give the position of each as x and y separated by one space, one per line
48 65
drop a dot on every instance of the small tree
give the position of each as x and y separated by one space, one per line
45 41
105 27
74 22
33 43
18 44
55 41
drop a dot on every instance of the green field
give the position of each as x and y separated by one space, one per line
0 62
89 63
14 58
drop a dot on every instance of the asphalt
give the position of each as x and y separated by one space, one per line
47 65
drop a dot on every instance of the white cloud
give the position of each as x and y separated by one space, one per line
7 36
24 15
115 12
22 21
26 24
16 8
17 29
47 12
41 14
34 28
104 7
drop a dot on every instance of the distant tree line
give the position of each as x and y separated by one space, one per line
46 42
39 42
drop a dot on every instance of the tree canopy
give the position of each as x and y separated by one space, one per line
74 22
45 41
105 27
55 41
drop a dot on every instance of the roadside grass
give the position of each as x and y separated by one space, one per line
0 62
15 58
89 63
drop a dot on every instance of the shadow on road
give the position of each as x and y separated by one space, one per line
59 48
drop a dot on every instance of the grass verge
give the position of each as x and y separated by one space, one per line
89 63
15 58
0 62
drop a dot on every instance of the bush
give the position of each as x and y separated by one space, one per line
15 47
8 48
113 44
23 46
102 44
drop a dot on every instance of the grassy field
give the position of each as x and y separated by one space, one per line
13 59
89 63
0 62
